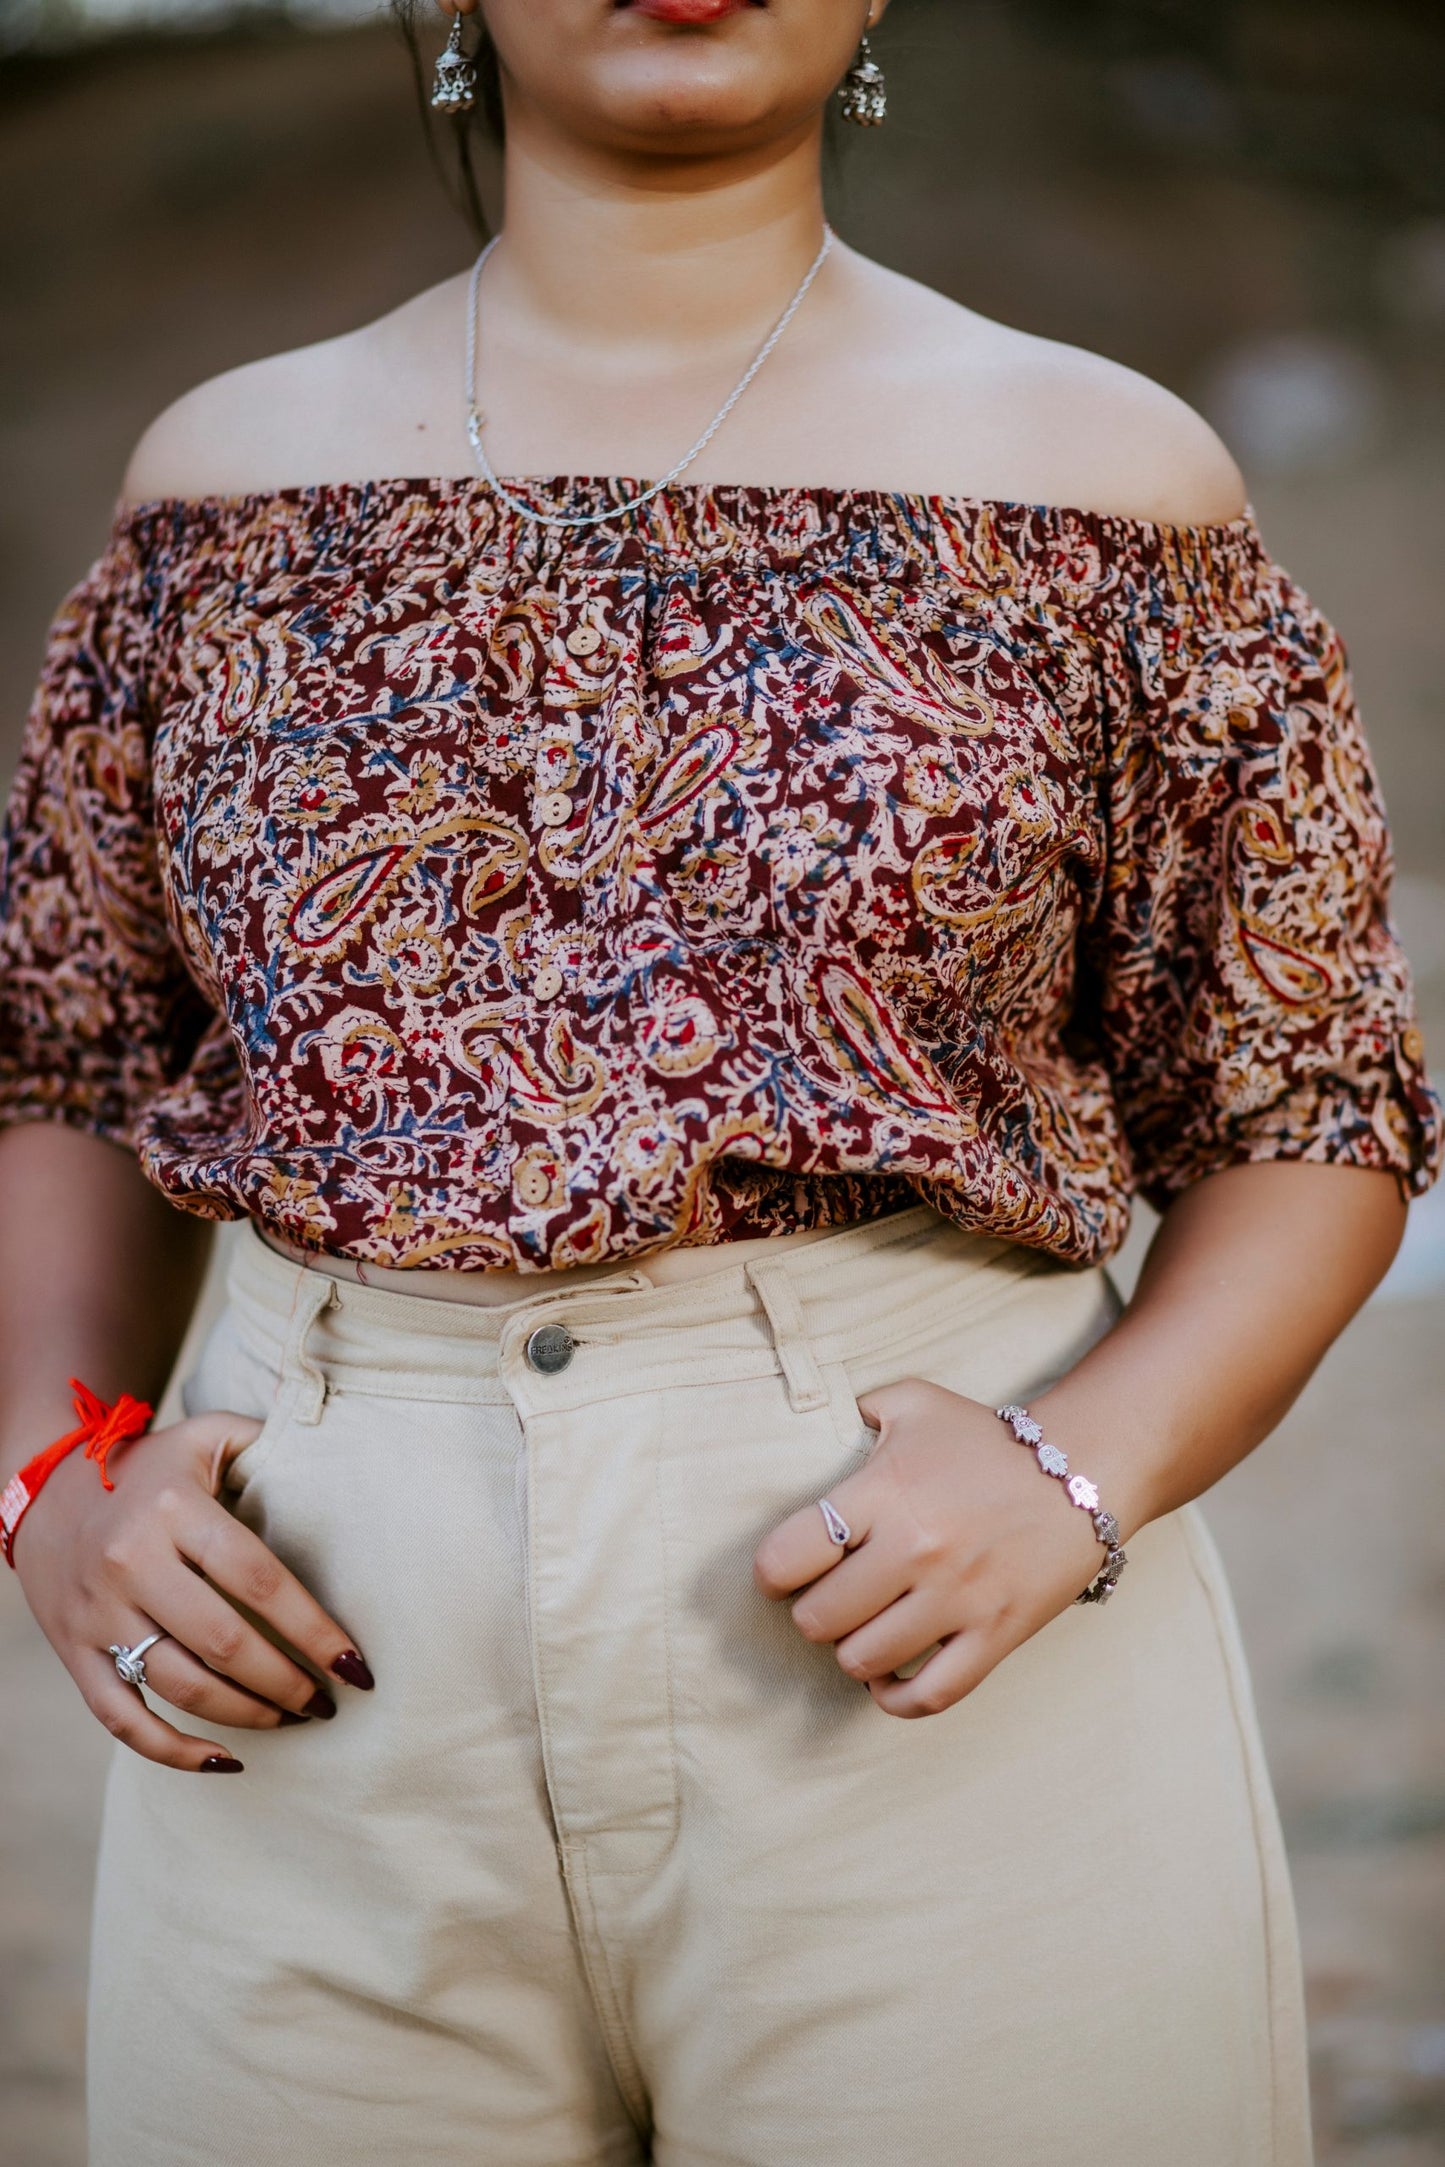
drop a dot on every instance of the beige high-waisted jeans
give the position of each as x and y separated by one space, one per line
613 1865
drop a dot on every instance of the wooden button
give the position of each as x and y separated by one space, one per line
1412 1045
548 982
584 640
554 808
533 1185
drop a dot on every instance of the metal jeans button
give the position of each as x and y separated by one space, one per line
550 1348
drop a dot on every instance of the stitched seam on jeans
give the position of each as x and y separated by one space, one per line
573 1856
418 1388
534 1642
680 1373
250 1460
666 1576
857 1439
1248 1747
621 2052
312 1382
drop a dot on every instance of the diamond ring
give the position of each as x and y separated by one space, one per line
838 1528
130 1662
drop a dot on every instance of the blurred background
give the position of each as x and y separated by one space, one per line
1245 199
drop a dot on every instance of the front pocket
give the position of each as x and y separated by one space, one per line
248 1386
251 1458
232 1377
853 1433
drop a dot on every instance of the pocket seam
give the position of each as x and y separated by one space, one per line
852 1433
251 1458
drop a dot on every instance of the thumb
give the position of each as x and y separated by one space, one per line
873 1407
221 1437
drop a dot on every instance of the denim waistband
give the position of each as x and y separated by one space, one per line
847 1297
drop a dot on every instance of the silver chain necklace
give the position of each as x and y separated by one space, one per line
476 422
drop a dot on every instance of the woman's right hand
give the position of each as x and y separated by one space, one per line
106 1567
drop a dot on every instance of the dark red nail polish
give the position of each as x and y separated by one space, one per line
350 1667
320 1705
289 1715
220 1764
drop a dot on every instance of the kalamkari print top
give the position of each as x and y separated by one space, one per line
434 889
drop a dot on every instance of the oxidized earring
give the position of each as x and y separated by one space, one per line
455 88
864 91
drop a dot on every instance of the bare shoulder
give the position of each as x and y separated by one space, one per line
895 387
326 412
221 438
1125 444
1014 416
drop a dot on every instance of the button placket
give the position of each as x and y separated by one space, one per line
557 759
561 779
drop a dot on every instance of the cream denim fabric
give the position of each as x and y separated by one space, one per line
613 1866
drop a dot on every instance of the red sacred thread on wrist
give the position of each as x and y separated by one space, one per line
100 1429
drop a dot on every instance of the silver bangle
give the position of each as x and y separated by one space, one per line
1081 1492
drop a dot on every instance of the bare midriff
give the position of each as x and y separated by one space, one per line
498 1290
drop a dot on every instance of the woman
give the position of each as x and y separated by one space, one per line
683 990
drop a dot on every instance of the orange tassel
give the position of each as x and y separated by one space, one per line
100 1429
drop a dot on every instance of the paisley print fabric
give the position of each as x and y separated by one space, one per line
433 889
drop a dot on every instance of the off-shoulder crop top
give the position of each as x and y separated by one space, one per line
435 890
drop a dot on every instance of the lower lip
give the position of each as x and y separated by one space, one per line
688 11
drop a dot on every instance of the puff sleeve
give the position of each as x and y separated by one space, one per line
1253 1001
97 1010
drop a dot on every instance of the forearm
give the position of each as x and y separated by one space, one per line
1251 1276
97 1278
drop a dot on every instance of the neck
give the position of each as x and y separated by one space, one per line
680 253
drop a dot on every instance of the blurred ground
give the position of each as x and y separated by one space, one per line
1246 201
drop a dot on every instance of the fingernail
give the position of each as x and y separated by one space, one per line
220 1764
350 1667
320 1704
289 1715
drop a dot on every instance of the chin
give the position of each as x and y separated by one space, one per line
709 79
707 76
672 108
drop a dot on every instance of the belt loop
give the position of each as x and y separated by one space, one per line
315 1292
769 1280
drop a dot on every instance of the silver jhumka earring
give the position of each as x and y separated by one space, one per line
864 91
455 87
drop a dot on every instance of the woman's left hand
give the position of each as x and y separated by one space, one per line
957 1541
